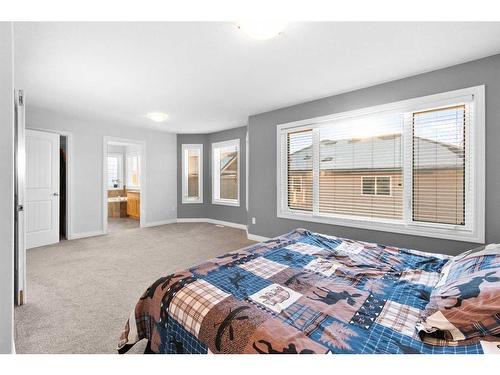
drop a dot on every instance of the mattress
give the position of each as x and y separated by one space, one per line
302 292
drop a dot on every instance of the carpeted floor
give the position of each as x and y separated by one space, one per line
80 292
116 225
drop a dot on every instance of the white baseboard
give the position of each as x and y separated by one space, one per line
212 221
250 236
75 236
157 223
193 220
254 237
228 224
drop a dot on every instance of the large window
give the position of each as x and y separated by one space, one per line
115 171
226 173
413 167
192 173
133 173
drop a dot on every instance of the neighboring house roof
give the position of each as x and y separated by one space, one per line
228 162
382 152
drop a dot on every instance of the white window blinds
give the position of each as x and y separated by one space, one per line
300 170
439 158
358 159
415 166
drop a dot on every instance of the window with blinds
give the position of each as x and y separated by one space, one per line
407 167
439 137
360 164
300 170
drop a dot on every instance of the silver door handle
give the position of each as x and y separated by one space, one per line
55 194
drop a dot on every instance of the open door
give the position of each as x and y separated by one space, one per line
42 188
19 182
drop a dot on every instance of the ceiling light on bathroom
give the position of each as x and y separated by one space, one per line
262 30
157 116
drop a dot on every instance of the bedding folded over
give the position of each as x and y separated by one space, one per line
465 303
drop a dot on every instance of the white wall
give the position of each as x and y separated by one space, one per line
87 151
6 189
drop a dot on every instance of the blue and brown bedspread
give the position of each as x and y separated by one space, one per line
299 293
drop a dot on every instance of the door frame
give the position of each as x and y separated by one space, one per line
69 176
19 201
142 177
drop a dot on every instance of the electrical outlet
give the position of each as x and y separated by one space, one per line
253 220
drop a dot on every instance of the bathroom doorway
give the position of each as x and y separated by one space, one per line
123 184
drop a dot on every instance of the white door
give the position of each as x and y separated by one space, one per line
42 188
19 188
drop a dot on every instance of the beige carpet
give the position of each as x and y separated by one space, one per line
80 292
117 225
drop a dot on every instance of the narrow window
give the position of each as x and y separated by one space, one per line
192 173
226 173
300 170
133 173
115 171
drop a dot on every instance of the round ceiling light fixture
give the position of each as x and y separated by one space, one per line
262 30
157 116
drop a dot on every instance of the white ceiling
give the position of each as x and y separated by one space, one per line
212 76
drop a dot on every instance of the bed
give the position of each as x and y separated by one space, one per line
302 292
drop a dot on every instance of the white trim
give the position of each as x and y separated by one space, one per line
228 224
87 234
212 221
158 223
476 208
185 198
192 220
142 178
254 237
225 202
247 169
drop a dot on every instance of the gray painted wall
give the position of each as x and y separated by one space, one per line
207 209
262 143
7 189
88 133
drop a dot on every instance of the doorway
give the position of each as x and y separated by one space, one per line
123 184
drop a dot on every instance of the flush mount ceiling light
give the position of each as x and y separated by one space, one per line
262 30
157 116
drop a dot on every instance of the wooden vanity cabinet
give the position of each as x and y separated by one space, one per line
134 204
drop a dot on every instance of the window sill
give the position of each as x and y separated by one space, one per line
226 202
117 188
394 226
192 201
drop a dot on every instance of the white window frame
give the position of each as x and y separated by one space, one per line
216 173
185 198
376 194
120 169
473 231
138 155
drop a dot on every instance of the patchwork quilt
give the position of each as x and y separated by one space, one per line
299 293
